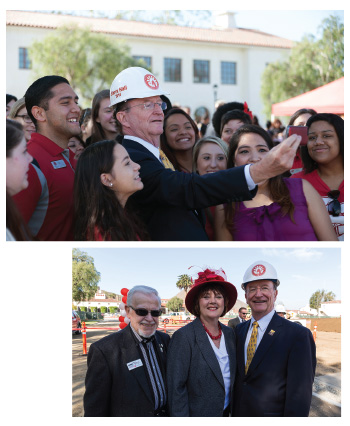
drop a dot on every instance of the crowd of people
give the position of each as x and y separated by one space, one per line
263 367
135 167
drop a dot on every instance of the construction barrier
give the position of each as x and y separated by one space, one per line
315 330
83 330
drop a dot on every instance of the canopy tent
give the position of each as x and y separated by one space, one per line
327 98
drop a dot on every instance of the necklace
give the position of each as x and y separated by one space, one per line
210 335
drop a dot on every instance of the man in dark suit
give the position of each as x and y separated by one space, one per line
170 201
126 370
276 359
242 313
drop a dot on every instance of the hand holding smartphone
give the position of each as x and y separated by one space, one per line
298 130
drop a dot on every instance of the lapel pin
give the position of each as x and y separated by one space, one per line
161 347
271 332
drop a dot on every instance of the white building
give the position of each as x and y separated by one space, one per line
98 301
196 66
331 309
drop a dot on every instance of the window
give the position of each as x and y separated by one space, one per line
146 59
24 62
228 72
172 69
200 71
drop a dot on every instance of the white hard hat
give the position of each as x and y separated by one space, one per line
280 308
134 82
260 270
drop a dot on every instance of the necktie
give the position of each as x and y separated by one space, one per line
252 345
165 160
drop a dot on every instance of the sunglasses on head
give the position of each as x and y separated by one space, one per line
141 312
334 206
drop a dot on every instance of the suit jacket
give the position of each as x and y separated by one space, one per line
234 322
280 377
194 378
170 202
111 389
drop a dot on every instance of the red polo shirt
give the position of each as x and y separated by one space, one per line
47 204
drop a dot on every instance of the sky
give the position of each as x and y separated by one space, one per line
290 24
301 270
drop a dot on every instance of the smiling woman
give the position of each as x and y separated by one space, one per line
177 140
282 210
104 180
323 159
202 354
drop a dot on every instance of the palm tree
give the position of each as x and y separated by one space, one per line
184 283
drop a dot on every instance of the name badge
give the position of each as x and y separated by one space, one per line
134 364
59 164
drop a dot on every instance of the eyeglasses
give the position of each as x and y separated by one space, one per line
263 289
26 118
244 313
149 106
141 312
334 206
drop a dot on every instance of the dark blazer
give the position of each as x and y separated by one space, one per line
234 322
194 378
280 377
111 389
170 202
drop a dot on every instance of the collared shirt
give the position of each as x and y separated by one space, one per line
263 324
151 148
224 363
153 370
155 151
47 203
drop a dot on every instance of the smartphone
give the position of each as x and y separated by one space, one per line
298 130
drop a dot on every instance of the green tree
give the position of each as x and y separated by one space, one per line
184 283
88 60
85 277
174 304
312 63
319 297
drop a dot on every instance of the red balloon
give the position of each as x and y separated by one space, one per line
122 325
121 319
124 291
124 299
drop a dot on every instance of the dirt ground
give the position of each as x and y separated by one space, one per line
328 344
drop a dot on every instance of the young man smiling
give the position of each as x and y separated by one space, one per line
47 204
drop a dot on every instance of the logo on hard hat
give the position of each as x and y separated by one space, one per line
258 270
151 81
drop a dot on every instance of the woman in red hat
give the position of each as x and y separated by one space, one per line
201 362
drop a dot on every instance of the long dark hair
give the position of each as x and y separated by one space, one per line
277 187
97 209
97 133
14 219
338 123
169 152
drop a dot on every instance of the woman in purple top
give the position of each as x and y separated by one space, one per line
282 210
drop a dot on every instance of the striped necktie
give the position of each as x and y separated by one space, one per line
252 345
165 160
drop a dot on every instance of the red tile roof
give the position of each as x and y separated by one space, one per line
234 36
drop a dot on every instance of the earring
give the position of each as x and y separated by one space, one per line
111 184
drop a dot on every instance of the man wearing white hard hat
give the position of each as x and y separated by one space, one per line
276 358
170 201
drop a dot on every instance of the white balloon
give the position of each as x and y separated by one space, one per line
123 313
121 305
126 320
